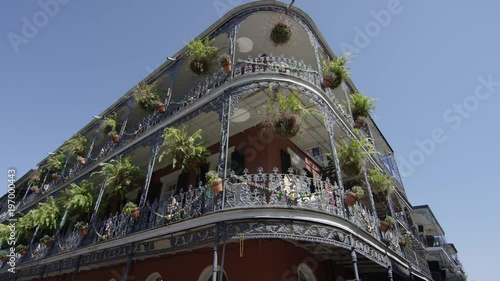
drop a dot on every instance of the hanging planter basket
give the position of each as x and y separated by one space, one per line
331 82
350 198
351 169
384 226
287 125
281 34
199 66
115 138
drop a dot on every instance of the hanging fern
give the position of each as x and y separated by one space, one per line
121 176
75 146
187 151
80 197
48 214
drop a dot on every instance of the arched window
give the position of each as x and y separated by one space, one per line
206 274
154 277
304 273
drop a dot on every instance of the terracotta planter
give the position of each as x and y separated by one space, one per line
327 82
56 176
358 123
217 186
227 67
22 253
350 198
136 213
81 160
36 191
48 244
116 138
84 231
384 226
161 108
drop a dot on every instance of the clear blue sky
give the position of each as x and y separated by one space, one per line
424 61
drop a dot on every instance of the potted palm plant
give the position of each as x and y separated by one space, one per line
387 223
214 181
83 227
352 196
225 62
121 176
47 240
335 71
132 210
201 54
379 182
284 114
76 146
361 107
110 126
55 163
186 151
148 97
351 155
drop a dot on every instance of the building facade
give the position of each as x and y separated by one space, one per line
282 212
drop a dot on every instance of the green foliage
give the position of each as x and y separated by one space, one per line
225 58
75 146
187 151
358 190
109 125
379 182
55 162
121 176
284 114
351 155
281 33
361 105
4 235
335 70
26 222
201 53
35 178
48 214
390 220
129 207
148 96
20 248
80 197
212 177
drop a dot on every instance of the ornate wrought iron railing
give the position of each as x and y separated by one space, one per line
260 190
